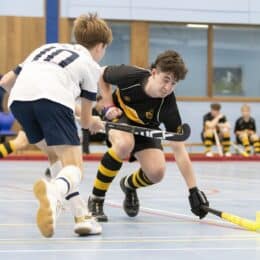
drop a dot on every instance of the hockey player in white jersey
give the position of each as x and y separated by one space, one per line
43 100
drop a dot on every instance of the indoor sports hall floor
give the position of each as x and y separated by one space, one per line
164 229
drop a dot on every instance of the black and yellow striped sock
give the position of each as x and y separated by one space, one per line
245 143
226 142
6 148
256 145
208 142
137 180
107 170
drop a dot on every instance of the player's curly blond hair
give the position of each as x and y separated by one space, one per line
90 30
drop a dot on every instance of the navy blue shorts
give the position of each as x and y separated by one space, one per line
45 119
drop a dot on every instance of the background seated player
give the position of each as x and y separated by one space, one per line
245 131
215 120
16 144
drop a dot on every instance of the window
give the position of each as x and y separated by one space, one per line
236 61
191 43
118 52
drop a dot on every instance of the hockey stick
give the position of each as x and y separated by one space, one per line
152 133
237 148
220 152
242 222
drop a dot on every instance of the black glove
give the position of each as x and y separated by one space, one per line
197 199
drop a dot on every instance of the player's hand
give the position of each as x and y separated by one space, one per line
197 199
112 112
96 124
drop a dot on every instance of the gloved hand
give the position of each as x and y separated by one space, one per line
197 199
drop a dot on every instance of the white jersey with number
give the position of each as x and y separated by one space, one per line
57 72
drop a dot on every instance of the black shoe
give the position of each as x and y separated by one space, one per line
131 201
95 207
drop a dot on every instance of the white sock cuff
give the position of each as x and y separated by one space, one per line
72 174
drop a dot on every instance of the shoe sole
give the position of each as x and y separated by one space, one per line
83 231
44 218
85 228
101 219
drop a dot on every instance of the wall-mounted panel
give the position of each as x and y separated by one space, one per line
198 5
108 9
254 18
189 16
254 6
31 8
200 11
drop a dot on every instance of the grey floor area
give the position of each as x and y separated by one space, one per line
164 229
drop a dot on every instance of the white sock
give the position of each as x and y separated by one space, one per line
55 168
68 179
77 204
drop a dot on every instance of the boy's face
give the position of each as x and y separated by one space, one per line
215 113
100 51
245 113
162 83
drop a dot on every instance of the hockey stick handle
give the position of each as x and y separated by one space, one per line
220 152
242 222
236 147
151 133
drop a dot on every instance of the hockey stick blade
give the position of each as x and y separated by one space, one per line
151 133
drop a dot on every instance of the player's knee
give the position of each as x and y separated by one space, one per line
225 133
123 147
254 137
243 135
208 133
156 174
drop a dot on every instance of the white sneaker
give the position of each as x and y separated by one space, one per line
50 206
87 225
209 154
228 154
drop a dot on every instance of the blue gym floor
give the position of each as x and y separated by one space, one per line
164 229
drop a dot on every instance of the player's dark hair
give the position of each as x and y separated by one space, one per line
171 61
215 106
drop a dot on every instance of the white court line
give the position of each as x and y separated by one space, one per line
175 237
95 250
13 201
179 216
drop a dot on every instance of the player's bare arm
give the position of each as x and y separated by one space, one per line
8 80
110 110
184 164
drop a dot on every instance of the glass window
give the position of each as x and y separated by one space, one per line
118 52
191 43
236 61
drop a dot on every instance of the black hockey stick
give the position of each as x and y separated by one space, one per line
152 133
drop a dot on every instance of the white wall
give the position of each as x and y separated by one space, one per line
213 11
31 8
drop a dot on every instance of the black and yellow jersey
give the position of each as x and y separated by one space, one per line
210 117
137 106
242 125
